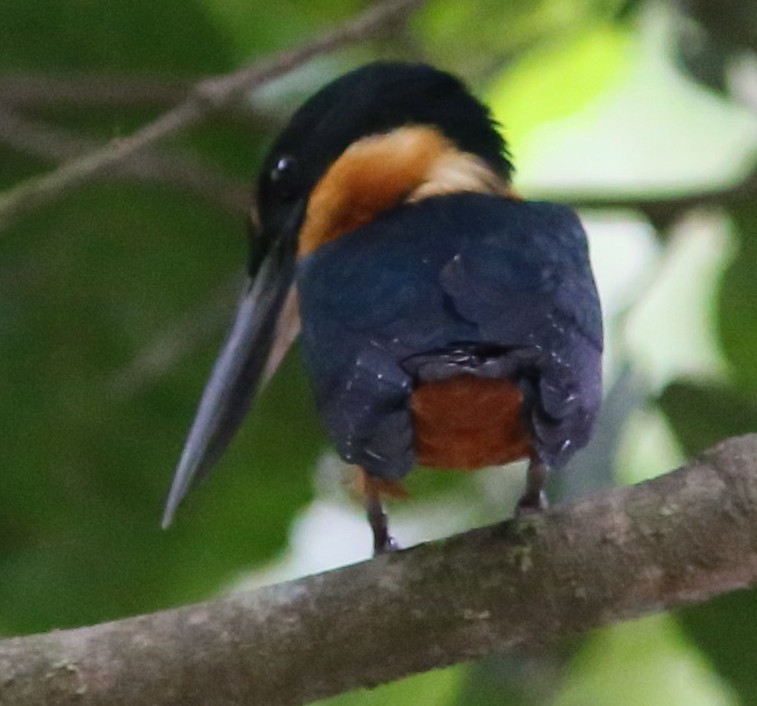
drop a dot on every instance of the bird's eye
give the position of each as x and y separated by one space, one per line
285 177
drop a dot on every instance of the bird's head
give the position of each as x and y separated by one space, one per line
378 136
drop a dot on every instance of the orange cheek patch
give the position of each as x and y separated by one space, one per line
468 423
372 175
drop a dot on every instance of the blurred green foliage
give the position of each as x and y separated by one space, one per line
86 284
89 285
737 303
701 414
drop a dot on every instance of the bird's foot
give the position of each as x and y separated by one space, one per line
531 503
384 544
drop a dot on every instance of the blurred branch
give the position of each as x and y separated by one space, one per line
664 209
50 142
206 97
193 328
35 90
190 330
730 22
676 540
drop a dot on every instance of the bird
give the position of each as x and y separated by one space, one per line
444 320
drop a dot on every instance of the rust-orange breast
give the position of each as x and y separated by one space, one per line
467 422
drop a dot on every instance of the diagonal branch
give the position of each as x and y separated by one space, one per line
30 91
178 339
49 142
207 96
675 540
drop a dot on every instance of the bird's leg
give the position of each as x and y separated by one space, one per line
533 498
382 540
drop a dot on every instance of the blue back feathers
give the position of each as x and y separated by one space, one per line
466 269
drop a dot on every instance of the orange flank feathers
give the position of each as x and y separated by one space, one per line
468 423
381 171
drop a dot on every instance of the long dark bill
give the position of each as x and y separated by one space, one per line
236 374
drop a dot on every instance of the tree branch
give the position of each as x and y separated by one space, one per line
663 208
675 540
49 142
24 90
177 340
30 91
205 98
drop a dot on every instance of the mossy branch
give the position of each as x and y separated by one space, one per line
675 540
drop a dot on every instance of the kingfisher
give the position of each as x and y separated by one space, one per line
444 320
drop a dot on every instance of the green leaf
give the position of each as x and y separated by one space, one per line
555 81
255 29
171 37
647 662
703 414
737 302
724 630
437 688
521 679
474 37
84 286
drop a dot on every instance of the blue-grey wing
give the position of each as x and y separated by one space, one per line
529 282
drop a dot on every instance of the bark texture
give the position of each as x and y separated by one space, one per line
675 540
